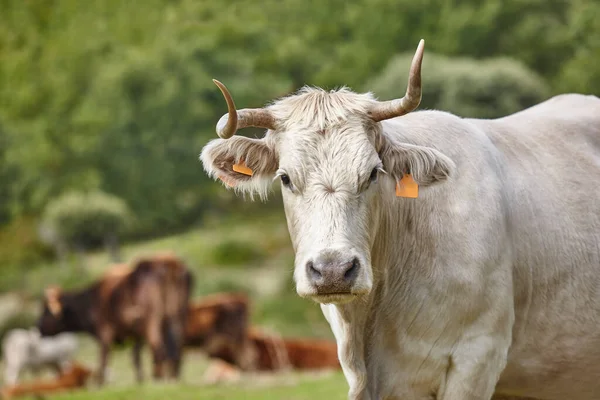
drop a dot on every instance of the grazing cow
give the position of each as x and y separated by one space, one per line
26 349
454 258
275 353
146 303
218 325
74 376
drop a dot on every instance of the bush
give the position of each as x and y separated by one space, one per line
87 218
467 87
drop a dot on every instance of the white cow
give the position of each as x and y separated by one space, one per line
482 282
26 349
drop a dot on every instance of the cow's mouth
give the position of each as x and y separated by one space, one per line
333 298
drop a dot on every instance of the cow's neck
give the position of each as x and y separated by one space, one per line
402 229
83 304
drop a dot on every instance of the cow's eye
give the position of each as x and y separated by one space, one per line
373 176
285 179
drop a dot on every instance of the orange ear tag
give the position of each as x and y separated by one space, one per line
407 187
242 169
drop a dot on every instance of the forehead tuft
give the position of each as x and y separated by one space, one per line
319 109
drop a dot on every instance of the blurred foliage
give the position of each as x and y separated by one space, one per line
206 287
236 252
20 244
117 96
464 86
33 280
581 71
83 219
291 315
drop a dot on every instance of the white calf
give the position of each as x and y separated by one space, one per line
25 348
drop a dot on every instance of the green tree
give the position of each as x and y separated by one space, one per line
81 220
117 96
581 72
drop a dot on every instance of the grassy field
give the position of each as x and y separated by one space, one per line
252 255
121 385
307 389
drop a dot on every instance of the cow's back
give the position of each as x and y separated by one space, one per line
149 288
312 353
571 119
173 277
223 314
17 347
275 352
127 300
550 167
60 347
17 337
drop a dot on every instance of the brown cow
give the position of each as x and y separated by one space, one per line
146 303
218 325
276 353
75 376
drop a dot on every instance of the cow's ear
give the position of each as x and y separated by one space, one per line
247 165
426 165
53 299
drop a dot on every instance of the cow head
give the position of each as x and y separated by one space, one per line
335 164
55 314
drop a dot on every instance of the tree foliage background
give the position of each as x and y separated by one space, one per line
117 95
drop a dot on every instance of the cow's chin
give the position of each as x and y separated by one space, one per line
336 298
332 298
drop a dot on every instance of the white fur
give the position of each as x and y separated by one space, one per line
260 184
26 349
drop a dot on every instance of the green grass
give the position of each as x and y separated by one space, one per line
121 385
330 387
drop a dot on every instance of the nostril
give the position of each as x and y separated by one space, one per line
313 273
353 270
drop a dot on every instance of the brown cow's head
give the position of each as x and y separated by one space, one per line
55 314
335 165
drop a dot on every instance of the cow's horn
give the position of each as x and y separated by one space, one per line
397 107
238 119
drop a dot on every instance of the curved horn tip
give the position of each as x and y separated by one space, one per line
420 50
227 125
221 86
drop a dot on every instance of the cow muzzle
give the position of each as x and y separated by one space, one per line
334 278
